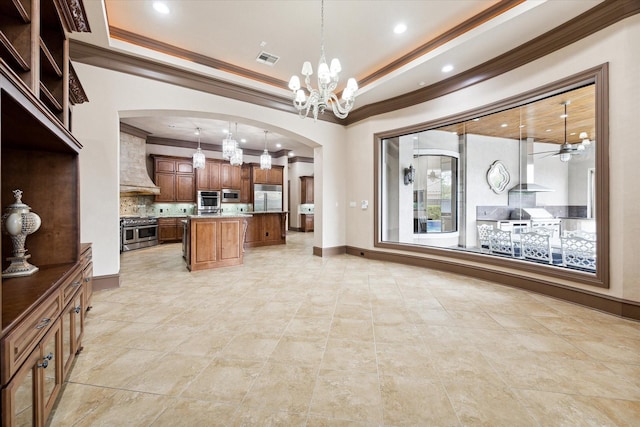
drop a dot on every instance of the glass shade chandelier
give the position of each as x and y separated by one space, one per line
323 97
198 156
265 158
236 156
229 145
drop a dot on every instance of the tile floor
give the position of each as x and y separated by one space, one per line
289 339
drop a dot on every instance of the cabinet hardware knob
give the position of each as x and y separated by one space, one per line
45 361
77 283
77 309
87 279
44 322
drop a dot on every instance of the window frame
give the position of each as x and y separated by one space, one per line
450 258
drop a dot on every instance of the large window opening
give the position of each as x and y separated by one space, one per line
520 184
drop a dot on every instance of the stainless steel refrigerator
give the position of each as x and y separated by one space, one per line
267 198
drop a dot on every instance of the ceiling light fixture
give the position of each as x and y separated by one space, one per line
323 97
400 28
236 156
198 156
161 7
265 158
585 139
447 68
229 145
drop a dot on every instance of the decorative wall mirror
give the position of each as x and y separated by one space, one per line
498 177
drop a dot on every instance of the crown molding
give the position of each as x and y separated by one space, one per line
132 130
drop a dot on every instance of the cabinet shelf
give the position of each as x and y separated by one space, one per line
13 52
50 62
49 99
16 8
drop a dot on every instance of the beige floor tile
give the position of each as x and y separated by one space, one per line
299 350
193 413
265 418
224 380
78 401
347 396
351 329
282 387
169 375
414 401
351 356
405 360
250 346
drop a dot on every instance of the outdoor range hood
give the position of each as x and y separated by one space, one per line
526 166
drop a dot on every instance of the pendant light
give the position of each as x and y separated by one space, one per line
565 153
229 144
265 158
198 156
236 155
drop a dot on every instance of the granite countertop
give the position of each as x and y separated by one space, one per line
266 212
222 215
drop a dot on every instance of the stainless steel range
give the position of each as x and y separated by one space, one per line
138 232
537 217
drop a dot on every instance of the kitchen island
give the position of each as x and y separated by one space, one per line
215 241
266 228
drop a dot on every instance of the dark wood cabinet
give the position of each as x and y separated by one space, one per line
208 178
170 229
306 189
273 176
230 176
265 229
306 222
39 156
176 179
246 190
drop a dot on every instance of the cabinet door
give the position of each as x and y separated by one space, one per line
214 176
185 188
184 166
50 366
167 184
167 229
87 281
260 175
202 178
164 165
254 229
271 227
245 190
225 175
19 404
275 175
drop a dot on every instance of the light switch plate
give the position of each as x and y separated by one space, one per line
364 204
352 204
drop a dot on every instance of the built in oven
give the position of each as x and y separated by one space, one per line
230 196
208 202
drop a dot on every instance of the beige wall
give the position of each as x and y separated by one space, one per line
612 45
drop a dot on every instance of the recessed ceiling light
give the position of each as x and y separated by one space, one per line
476 119
421 83
504 125
563 116
548 130
455 133
161 7
573 133
521 126
447 68
400 28
278 145
243 140
290 153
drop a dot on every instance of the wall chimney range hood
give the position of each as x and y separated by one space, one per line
527 167
134 178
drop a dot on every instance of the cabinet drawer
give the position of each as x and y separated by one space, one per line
70 287
18 344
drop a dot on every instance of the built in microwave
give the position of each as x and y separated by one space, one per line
208 202
230 196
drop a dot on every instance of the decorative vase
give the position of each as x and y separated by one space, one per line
18 222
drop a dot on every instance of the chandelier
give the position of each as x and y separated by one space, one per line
236 156
198 156
323 97
265 158
229 145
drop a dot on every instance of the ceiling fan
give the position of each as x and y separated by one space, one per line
566 150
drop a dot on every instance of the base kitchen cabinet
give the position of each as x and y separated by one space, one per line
170 229
266 228
215 241
306 223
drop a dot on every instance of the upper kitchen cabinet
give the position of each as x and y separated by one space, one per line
176 179
245 184
230 176
268 176
306 189
208 178
34 45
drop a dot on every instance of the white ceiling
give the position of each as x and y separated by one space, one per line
358 32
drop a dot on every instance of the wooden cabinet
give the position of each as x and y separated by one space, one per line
33 44
39 156
170 229
176 179
306 189
72 330
29 397
306 223
246 189
208 178
268 176
230 176
265 229
86 260
215 242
